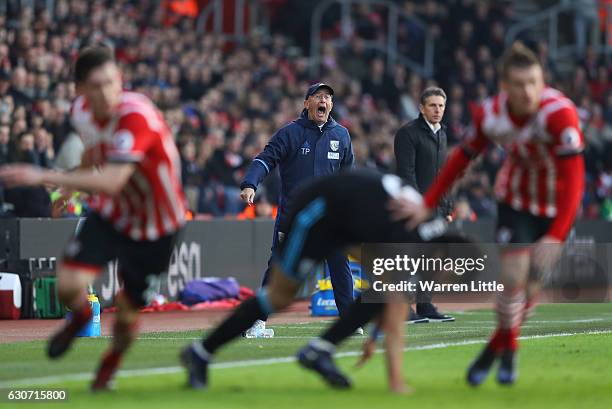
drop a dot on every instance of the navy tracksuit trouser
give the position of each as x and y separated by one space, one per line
339 271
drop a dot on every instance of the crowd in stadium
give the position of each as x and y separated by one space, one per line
224 100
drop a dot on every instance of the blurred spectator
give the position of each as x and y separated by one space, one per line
43 147
218 91
410 98
601 85
227 167
19 90
28 201
355 59
191 172
4 144
463 212
379 85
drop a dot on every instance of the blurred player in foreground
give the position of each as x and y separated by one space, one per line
328 214
138 205
538 188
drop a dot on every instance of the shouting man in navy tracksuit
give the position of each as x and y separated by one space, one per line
313 145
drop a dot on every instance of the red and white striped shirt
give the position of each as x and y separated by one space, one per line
152 203
543 173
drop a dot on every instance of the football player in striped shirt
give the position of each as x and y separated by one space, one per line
538 189
137 204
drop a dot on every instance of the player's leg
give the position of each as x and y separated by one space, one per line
304 247
541 267
72 286
84 257
357 315
124 334
317 355
509 306
518 229
361 222
532 294
279 294
140 266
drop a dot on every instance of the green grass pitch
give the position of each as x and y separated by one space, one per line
565 362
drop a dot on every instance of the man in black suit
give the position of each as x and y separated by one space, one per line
420 152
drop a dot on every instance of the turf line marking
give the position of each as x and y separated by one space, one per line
567 321
454 331
127 373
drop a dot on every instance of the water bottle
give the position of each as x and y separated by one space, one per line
92 328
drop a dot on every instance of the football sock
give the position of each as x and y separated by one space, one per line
357 315
108 365
510 308
242 319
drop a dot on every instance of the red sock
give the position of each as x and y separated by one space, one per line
504 338
109 364
496 343
512 342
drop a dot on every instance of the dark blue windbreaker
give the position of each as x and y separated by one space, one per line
302 151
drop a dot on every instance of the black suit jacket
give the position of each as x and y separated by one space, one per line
419 156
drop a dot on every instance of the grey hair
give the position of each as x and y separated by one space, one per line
431 91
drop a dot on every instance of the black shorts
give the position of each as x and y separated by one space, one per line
140 262
334 212
519 227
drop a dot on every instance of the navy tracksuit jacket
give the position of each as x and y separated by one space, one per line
302 151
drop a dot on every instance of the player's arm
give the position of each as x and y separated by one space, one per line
393 323
460 158
109 179
128 146
568 144
369 345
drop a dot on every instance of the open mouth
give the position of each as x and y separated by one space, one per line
321 110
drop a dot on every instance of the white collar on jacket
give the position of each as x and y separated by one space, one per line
434 128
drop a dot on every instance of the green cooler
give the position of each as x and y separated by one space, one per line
47 302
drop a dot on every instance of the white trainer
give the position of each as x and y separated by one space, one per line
259 330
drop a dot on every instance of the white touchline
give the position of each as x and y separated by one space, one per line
127 373
453 331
